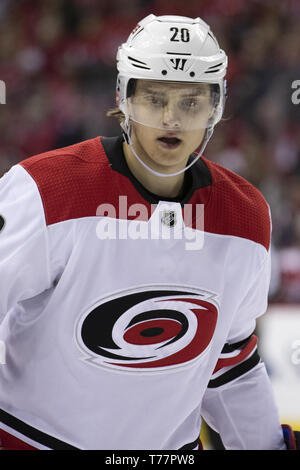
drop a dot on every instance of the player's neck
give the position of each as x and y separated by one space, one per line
167 187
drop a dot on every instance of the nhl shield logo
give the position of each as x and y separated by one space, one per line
169 218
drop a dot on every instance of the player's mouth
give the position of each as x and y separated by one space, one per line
169 141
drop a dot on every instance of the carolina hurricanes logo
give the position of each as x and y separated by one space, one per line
148 329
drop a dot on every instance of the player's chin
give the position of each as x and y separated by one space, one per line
169 161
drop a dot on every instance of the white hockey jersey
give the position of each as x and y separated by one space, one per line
126 317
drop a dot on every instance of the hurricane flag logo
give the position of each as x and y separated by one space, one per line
148 329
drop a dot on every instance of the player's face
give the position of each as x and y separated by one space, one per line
169 120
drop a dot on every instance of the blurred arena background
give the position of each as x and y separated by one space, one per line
57 59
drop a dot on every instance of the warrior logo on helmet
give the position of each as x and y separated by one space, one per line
178 64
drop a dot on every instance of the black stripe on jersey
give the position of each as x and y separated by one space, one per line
233 346
2 222
38 436
191 445
235 371
196 177
52 442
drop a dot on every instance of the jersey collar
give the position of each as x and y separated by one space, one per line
196 177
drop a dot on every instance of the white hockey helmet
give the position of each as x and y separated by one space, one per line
172 49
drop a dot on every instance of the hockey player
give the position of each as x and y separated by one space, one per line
120 331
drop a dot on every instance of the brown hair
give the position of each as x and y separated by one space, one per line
116 113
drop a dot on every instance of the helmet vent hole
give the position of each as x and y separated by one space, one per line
192 74
164 72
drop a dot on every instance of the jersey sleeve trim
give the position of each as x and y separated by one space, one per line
235 360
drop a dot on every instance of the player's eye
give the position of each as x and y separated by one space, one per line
155 100
190 104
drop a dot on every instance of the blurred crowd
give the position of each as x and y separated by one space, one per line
57 58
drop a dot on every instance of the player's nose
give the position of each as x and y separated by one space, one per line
171 118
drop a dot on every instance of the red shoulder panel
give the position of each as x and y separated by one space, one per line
73 181
235 207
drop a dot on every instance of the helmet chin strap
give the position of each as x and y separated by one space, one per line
128 139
